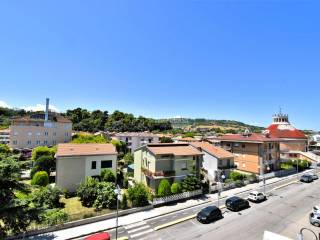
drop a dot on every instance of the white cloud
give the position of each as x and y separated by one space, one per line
4 104
40 107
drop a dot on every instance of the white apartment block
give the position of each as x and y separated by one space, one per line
135 140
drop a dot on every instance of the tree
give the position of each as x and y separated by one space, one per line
4 149
236 176
164 188
87 191
47 197
166 140
128 158
107 176
43 163
43 151
176 188
106 196
190 183
15 214
40 178
189 134
138 195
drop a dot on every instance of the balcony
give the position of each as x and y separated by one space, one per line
227 167
165 173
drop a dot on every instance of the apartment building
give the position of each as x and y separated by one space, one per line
135 140
75 162
254 153
172 161
5 136
216 160
40 129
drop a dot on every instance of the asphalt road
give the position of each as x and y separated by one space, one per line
285 212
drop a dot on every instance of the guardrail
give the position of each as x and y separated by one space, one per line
176 197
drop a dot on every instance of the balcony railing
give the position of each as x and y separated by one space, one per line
165 173
227 167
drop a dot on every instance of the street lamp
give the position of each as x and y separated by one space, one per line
118 192
221 179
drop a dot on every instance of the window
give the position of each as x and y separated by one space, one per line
45 142
106 164
46 133
93 165
150 140
29 142
236 145
184 166
38 142
243 145
15 142
66 134
243 165
38 134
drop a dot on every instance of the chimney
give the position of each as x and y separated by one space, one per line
46 116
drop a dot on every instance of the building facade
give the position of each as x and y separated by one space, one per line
40 129
254 153
5 136
216 161
135 140
172 161
75 162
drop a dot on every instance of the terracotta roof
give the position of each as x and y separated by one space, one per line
285 131
173 149
72 149
187 139
253 137
212 150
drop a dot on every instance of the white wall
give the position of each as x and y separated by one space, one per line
210 163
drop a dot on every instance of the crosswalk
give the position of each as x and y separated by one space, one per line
142 231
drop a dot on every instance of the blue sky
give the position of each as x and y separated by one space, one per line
218 59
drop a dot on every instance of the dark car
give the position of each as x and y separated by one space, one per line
306 178
237 203
209 214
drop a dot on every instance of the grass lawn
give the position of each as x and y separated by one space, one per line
76 211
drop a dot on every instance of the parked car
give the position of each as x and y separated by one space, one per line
209 214
316 210
314 176
237 203
256 196
306 178
314 219
98 236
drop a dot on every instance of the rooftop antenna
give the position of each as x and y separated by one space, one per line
280 110
46 116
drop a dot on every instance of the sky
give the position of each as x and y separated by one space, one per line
216 59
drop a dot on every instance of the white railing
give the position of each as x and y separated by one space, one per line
176 197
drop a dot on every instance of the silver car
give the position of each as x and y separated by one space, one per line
314 176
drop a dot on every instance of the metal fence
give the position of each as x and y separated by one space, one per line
176 197
280 173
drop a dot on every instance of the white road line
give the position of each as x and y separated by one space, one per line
138 229
135 225
141 233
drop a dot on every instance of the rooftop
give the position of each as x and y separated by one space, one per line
39 117
285 131
90 149
212 150
135 134
176 149
251 137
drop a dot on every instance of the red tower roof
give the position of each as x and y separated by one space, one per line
285 131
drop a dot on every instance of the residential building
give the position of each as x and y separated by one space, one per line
216 160
135 140
5 136
75 162
40 129
254 153
172 161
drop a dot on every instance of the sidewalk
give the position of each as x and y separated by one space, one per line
155 212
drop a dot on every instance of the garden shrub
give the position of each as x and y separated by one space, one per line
107 176
106 197
176 188
40 178
47 197
190 183
138 195
164 188
124 202
237 176
55 217
87 191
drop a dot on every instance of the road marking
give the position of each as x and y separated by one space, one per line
284 185
174 222
141 233
138 229
135 225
